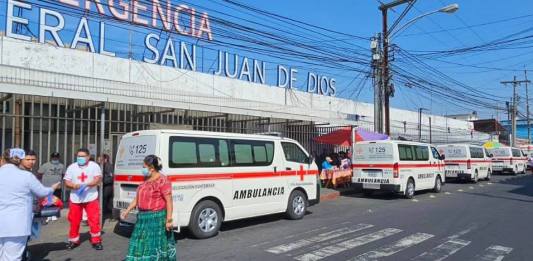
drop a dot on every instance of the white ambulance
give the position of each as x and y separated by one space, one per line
508 159
466 162
219 176
397 166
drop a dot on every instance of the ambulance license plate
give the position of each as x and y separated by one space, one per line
371 186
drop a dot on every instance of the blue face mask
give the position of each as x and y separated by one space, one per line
55 161
81 161
145 172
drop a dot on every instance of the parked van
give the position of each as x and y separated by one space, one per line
508 159
219 176
397 166
466 162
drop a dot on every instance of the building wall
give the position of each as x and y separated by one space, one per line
45 70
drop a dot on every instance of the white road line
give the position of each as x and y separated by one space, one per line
347 245
460 190
463 232
319 238
494 253
393 248
447 193
443 250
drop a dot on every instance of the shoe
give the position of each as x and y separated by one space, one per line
72 245
53 218
98 246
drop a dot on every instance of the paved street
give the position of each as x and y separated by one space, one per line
484 221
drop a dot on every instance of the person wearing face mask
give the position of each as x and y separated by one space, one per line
152 238
52 172
82 178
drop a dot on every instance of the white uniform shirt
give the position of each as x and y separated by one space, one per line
18 187
83 175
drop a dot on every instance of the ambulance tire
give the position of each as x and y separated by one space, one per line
208 211
297 205
489 174
410 189
438 185
515 171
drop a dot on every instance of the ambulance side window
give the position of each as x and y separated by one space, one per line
293 152
196 152
422 153
436 154
406 152
252 152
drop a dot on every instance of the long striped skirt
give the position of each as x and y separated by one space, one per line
150 240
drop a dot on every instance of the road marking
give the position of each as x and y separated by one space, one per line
443 250
447 193
489 183
393 248
347 245
481 185
471 187
460 190
432 196
414 200
464 232
494 253
319 238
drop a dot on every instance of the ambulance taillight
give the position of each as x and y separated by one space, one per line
396 170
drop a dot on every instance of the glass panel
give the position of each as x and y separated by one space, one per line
223 152
243 154
184 152
260 154
294 153
207 153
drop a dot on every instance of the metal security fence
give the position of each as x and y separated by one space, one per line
52 124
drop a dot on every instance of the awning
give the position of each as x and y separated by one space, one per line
342 137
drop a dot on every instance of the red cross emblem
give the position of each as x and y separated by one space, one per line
301 172
82 177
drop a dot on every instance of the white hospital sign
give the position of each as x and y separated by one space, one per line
158 15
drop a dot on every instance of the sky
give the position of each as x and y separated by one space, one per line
476 22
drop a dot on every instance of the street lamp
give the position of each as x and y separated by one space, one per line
449 9
384 86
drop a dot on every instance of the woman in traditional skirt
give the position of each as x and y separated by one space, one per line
152 238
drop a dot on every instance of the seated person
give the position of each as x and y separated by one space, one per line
327 164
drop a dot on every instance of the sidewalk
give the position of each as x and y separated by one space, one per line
329 194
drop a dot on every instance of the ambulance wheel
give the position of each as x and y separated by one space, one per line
206 219
489 173
297 205
438 185
410 189
515 171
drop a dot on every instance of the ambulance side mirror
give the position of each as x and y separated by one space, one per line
490 155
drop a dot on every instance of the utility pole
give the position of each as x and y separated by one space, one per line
378 91
515 84
430 132
420 123
527 110
385 61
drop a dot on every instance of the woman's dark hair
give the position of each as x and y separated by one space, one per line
154 162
